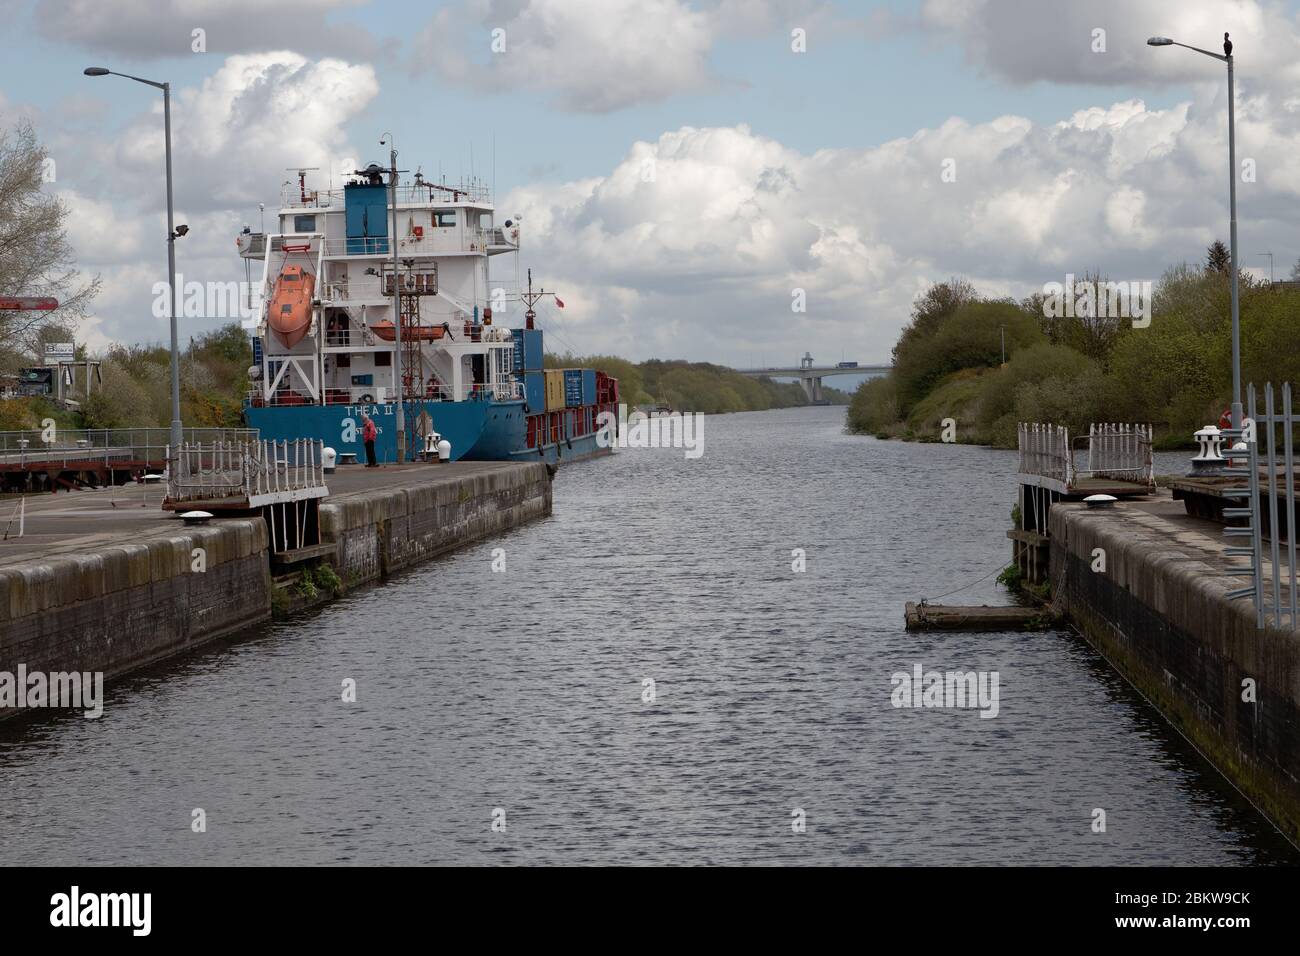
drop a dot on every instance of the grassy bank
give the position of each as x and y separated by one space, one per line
693 386
1175 373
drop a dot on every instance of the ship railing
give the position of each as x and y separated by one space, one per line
251 472
479 392
472 239
291 196
500 392
71 447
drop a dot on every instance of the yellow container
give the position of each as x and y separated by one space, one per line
554 389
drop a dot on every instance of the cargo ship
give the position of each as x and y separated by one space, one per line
328 349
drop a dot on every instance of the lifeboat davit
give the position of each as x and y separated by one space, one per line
424 333
290 313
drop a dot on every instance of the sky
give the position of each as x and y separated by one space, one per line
736 181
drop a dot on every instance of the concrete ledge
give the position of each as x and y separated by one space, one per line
119 601
1159 614
126 606
423 514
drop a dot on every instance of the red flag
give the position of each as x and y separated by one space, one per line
559 302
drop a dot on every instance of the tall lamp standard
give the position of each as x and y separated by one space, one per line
397 308
1226 57
173 233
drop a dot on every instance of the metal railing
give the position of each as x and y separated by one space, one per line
246 470
73 446
468 239
1114 450
1120 450
505 391
1045 451
291 196
1274 595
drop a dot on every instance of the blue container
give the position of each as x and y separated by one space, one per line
589 386
573 387
535 391
528 349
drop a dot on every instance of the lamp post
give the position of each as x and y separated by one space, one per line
1226 57
397 298
172 234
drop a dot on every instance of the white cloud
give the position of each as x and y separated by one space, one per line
1024 41
147 28
732 221
233 137
596 55
256 116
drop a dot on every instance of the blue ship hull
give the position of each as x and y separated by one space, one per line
477 430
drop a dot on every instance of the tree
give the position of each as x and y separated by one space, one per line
1094 329
36 258
1218 259
931 307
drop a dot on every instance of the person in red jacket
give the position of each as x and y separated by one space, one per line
368 435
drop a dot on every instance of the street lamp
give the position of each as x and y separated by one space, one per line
397 309
172 234
1226 57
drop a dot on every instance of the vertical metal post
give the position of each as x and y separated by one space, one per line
1289 478
1232 202
1253 465
1269 422
176 437
397 310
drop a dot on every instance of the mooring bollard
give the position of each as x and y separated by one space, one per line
1208 459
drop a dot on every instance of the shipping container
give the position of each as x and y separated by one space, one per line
535 391
589 386
554 389
573 387
528 349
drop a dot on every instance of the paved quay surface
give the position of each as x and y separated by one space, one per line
84 521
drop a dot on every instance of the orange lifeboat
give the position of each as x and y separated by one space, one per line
290 312
424 333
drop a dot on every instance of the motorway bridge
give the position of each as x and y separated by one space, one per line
810 374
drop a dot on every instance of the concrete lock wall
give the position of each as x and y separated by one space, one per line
391 528
124 606
1160 617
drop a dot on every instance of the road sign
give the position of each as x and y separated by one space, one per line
56 352
27 303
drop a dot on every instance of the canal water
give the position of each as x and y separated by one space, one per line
521 695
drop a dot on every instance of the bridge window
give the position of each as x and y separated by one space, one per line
304 223
444 218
